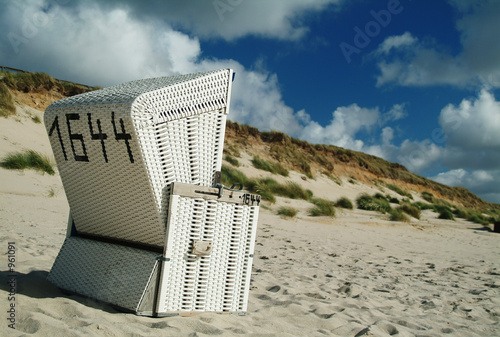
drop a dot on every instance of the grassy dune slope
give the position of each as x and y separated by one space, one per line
335 162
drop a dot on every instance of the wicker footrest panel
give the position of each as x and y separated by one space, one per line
116 274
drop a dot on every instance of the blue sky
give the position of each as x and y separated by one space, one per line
414 82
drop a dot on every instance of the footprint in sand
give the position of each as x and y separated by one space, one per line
390 329
349 290
274 289
28 325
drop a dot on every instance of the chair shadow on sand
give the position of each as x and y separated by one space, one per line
35 285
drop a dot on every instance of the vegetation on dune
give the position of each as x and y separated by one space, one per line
231 160
398 215
266 165
39 82
7 107
287 212
344 203
373 203
266 187
27 160
428 196
309 158
410 210
232 150
230 176
446 214
399 191
322 207
423 205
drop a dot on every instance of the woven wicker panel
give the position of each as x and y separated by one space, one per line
216 282
107 272
118 150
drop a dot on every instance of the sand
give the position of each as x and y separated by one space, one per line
354 275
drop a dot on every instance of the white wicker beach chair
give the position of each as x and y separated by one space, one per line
148 232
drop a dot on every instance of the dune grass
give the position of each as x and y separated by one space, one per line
446 214
399 191
344 203
322 207
476 216
7 107
398 215
231 160
39 82
429 197
266 165
410 210
423 205
27 160
230 175
373 203
289 212
479 218
268 188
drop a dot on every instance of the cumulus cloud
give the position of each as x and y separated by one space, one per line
484 183
460 177
228 19
344 127
396 42
418 63
474 124
472 149
418 155
422 66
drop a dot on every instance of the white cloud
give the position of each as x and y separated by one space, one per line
387 135
345 124
397 112
424 66
418 63
485 183
451 178
472 149
228 19
396 42
474 124
418 155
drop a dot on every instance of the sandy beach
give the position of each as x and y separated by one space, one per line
357 274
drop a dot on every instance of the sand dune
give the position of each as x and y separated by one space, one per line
354 275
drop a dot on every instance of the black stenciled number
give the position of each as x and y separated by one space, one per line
55 126
98 136
123 135
76 136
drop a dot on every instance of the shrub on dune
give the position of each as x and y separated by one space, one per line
287 212
369 203
410 210
344 203
28 159
322 207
